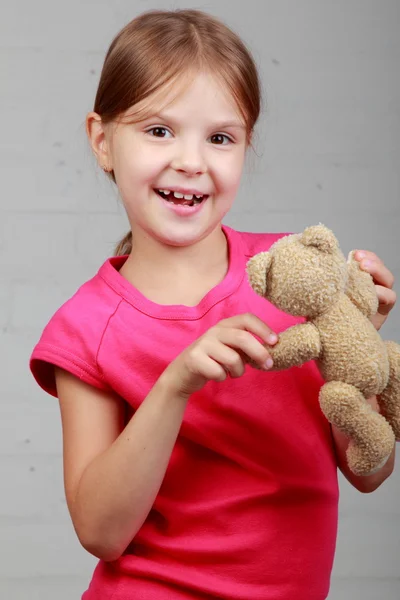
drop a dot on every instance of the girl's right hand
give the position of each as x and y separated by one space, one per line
220 352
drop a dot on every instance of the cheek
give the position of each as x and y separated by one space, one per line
142 166
230 175
139 161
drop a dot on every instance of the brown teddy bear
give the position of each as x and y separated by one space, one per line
307 275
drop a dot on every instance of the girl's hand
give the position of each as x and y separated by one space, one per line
384 281
220 352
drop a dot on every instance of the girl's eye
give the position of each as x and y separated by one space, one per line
161 129
157 129
221 135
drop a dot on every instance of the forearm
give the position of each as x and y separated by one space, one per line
118 489
367 483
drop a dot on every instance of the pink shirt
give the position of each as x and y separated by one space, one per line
248 507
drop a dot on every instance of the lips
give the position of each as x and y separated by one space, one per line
182 190
181 206
170 197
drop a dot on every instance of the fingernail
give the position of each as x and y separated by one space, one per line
366 264
268 363
272 338
360 254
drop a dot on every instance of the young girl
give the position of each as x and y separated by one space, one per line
189 474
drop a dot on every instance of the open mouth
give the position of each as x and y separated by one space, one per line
180 199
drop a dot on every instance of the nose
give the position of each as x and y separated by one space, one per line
189 159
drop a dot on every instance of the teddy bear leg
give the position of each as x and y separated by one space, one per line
389 399
371 436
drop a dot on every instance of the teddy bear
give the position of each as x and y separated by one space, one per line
307 275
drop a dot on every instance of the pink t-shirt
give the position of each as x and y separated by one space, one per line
248 507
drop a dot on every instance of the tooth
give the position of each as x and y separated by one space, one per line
166 192
178 195
198 196
189 197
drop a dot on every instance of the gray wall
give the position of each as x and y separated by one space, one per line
328 150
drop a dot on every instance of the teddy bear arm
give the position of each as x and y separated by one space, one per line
295 346
360 288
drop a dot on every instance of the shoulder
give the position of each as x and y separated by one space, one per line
72 337
253 243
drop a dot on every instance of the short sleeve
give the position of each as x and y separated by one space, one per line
71 340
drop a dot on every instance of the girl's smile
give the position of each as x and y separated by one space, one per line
187 205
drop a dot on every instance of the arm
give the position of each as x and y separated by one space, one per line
295 346
112 474
362 484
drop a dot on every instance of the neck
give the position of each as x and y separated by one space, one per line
176 274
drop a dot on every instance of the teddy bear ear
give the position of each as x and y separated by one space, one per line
320 237
257 270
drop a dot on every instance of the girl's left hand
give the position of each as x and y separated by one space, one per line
384 281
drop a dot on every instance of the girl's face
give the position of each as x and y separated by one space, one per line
196 145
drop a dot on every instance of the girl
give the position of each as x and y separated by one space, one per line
189 474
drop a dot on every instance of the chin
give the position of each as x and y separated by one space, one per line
184 236
179 241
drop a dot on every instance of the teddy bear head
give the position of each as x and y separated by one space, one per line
301 274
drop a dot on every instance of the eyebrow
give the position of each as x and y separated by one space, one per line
214 125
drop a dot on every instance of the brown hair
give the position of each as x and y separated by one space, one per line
156 49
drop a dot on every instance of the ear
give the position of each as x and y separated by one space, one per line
98 139
257 270
319 237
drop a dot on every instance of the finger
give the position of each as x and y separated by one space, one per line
228 358
379 272
252 324
247 344
387 299
367 254
211 370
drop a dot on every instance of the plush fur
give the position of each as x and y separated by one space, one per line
307 275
